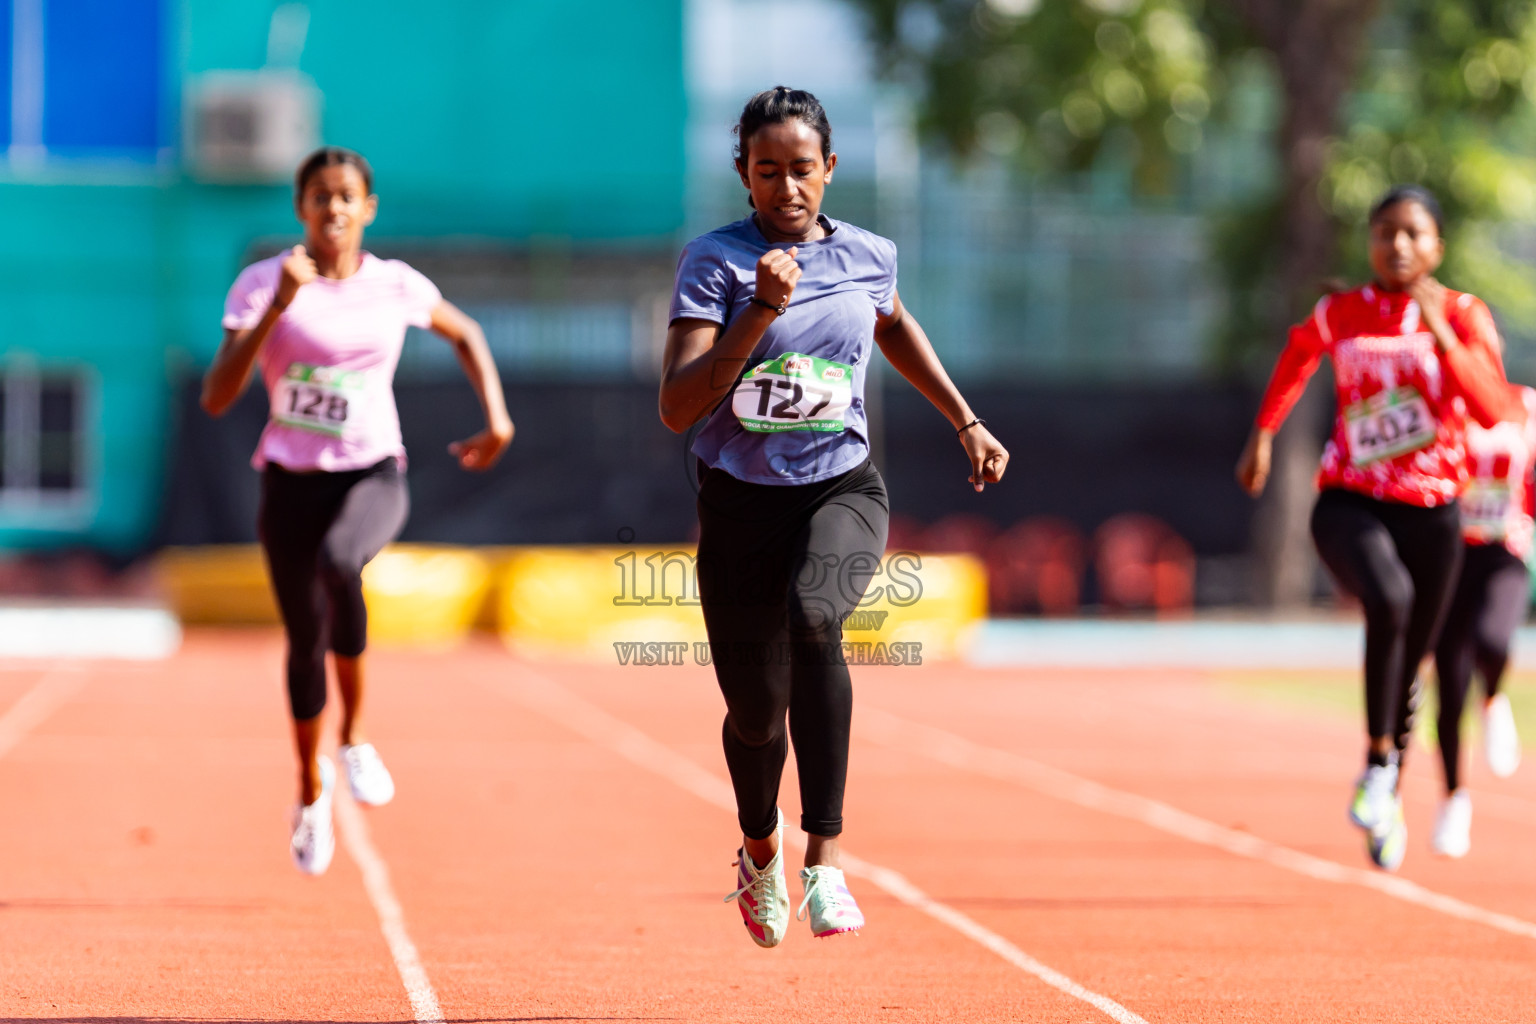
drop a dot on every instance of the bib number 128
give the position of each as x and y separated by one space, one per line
313 405
317 398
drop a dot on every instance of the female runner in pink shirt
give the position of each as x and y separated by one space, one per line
325 322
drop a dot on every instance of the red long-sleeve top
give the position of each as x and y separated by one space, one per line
1400 430
1499 501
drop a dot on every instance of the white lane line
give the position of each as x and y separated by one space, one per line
47 695
958 752
355 837
605 730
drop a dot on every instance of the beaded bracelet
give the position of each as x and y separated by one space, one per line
778 310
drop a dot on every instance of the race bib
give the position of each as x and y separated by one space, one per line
321 399
794 392
1387 425
1485 508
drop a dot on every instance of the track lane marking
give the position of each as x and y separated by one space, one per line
606 730
359 844
57 684
958 752
51 691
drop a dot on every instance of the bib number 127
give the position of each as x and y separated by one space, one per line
794 392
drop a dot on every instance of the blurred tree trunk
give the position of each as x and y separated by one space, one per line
1317 45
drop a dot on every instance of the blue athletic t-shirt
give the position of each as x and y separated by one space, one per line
846 278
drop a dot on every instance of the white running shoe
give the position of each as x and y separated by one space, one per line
763 895
314 841
1388 842
1453 826
832 907
369 780
1375 796
1501 743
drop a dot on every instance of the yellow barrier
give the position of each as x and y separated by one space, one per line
581 602
424 596
222 584
600 603
417 594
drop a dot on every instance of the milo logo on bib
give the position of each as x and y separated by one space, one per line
321 399
794 392
1388 424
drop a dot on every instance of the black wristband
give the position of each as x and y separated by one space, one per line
778 310
969 425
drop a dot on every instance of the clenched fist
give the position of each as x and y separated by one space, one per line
298 271
777 273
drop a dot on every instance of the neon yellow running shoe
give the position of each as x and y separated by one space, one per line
1389 843
1375 793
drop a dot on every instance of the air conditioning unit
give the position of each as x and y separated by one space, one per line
250 127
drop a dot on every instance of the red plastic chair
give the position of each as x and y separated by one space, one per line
1037 566
960 534
1142 564
906 534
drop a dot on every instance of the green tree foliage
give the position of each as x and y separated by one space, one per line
1440 93
1054 82
1444 98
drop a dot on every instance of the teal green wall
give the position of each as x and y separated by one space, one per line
482 118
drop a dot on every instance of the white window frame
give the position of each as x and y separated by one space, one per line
24 503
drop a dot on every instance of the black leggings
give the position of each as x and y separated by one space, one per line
318 531
1401 561
780 568
1489 606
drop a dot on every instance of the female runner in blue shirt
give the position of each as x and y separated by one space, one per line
772 321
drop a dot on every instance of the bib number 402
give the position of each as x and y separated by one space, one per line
1389 424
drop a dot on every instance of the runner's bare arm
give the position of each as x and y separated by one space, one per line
230 370
902 339
468 339
702 362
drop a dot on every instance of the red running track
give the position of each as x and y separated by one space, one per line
558 852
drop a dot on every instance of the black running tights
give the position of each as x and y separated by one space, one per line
318 531
780 568
1489 605
1401 562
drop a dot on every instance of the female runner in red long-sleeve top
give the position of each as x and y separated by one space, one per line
1412 360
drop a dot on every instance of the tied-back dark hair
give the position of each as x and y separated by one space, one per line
1410 194
777 105
331 156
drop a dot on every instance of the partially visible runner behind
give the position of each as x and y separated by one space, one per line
1411 360
772 324
1489 605
325 322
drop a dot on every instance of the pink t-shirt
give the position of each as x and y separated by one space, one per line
329 363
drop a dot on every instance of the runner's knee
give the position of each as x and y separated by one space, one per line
755 732
1389 604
